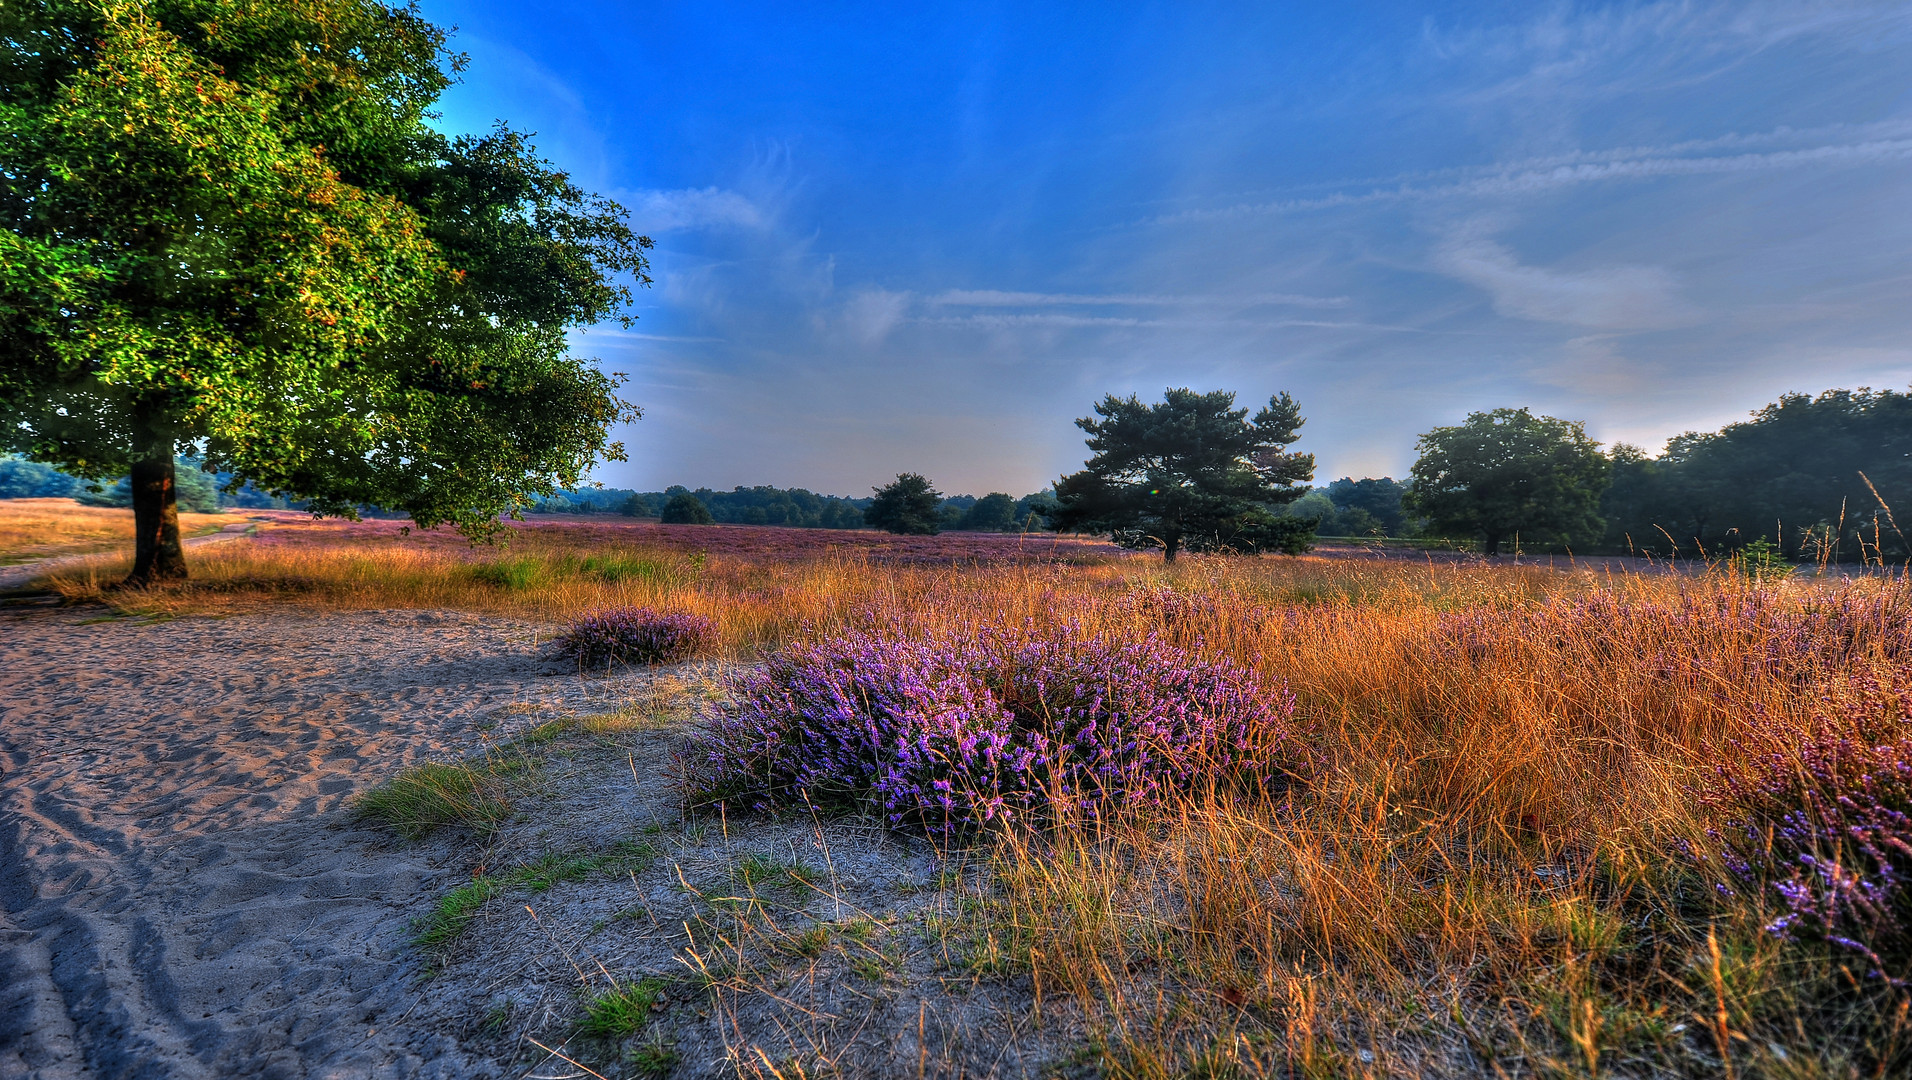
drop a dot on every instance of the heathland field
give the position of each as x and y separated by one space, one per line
638 800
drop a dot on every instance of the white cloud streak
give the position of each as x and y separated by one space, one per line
997 298
657 211
1537 176
1608 298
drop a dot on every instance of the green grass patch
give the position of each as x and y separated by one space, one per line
514 573
557 868
523 573
756 872
622 1011
423 798
612 567
455 910
652 1060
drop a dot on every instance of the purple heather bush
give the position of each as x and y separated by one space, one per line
636 635
951 733
1828 826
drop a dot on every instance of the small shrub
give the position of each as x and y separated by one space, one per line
948 734
425 797
637 636
1829 827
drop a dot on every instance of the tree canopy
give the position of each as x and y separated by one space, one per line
228 227
684 508
1190 472
906 505
1509 473
1808 472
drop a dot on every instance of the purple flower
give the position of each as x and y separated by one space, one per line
1829 826
947 733
637 636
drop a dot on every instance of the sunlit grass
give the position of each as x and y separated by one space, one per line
38 528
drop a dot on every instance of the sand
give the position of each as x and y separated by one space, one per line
183 891
186 890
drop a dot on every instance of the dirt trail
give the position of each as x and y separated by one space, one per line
182 891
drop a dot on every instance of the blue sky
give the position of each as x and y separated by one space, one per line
926 238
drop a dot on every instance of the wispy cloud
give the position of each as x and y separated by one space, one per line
1538 175
693 208
1607 298
998 298
1618 49
871 314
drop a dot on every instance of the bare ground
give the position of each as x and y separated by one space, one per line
185 891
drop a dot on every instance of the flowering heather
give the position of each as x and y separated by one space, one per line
741 542
1829 826
637 636
949 733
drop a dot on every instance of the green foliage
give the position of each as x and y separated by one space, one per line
1798 472
196 492
907 505
685 509
23 479
994 512
764 505
1760 561
229 226
1190 472
1510 473
1366 505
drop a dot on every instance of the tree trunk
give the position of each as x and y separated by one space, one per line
1169 547
157 553
1491 546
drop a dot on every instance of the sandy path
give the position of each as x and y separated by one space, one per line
182 892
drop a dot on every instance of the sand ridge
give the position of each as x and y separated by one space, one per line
183 892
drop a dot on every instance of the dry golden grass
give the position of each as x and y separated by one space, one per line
1483 876
36 528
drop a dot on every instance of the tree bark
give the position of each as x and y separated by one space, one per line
157 552
1492 544
1169 547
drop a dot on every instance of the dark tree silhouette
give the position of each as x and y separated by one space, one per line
1191 472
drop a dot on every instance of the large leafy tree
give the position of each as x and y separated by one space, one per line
227 227
907 505
1190 472
1509 473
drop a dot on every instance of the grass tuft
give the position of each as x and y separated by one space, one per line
621 1011
424 798
555 868
454 912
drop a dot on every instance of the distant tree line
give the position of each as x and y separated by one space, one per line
197 491
1813 476
799 508
1805 478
